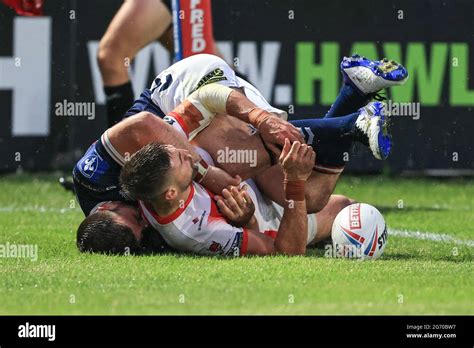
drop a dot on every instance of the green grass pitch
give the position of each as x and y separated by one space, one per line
414 276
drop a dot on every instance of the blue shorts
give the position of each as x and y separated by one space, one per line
96 178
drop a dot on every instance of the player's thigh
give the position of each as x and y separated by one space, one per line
136 24
233 147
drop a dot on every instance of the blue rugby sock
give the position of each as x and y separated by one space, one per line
330 138
348 101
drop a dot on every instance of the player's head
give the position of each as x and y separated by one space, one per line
158 173
112 227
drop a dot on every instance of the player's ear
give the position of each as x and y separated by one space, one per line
170 194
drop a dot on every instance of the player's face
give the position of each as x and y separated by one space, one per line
128 215
183 169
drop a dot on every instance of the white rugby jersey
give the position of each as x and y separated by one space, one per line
174 84
199 227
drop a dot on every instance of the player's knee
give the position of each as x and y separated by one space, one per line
110 58
339 202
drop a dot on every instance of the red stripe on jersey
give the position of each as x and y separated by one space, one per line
271 233
180 120
214 214
245 242
164 220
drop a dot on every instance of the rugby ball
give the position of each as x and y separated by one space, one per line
359 232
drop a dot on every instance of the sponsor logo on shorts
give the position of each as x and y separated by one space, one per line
214 76
89 166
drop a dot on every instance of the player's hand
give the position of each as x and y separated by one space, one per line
274 131
297 160
217 179
236 205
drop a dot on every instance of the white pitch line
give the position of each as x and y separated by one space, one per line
434 237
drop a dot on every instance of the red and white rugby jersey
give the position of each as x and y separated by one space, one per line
198 227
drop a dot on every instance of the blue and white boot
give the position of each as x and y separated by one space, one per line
371 129
371 76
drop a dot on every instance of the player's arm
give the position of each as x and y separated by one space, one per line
297 161
198 110
133 133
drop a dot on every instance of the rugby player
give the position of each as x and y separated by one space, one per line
189 219
165 89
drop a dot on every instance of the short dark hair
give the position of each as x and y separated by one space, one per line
145 174
100 233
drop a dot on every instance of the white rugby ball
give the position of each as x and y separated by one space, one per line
359 231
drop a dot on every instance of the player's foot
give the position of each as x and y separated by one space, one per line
371 76
371 129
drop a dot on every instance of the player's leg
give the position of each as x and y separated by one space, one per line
136 24
332 139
